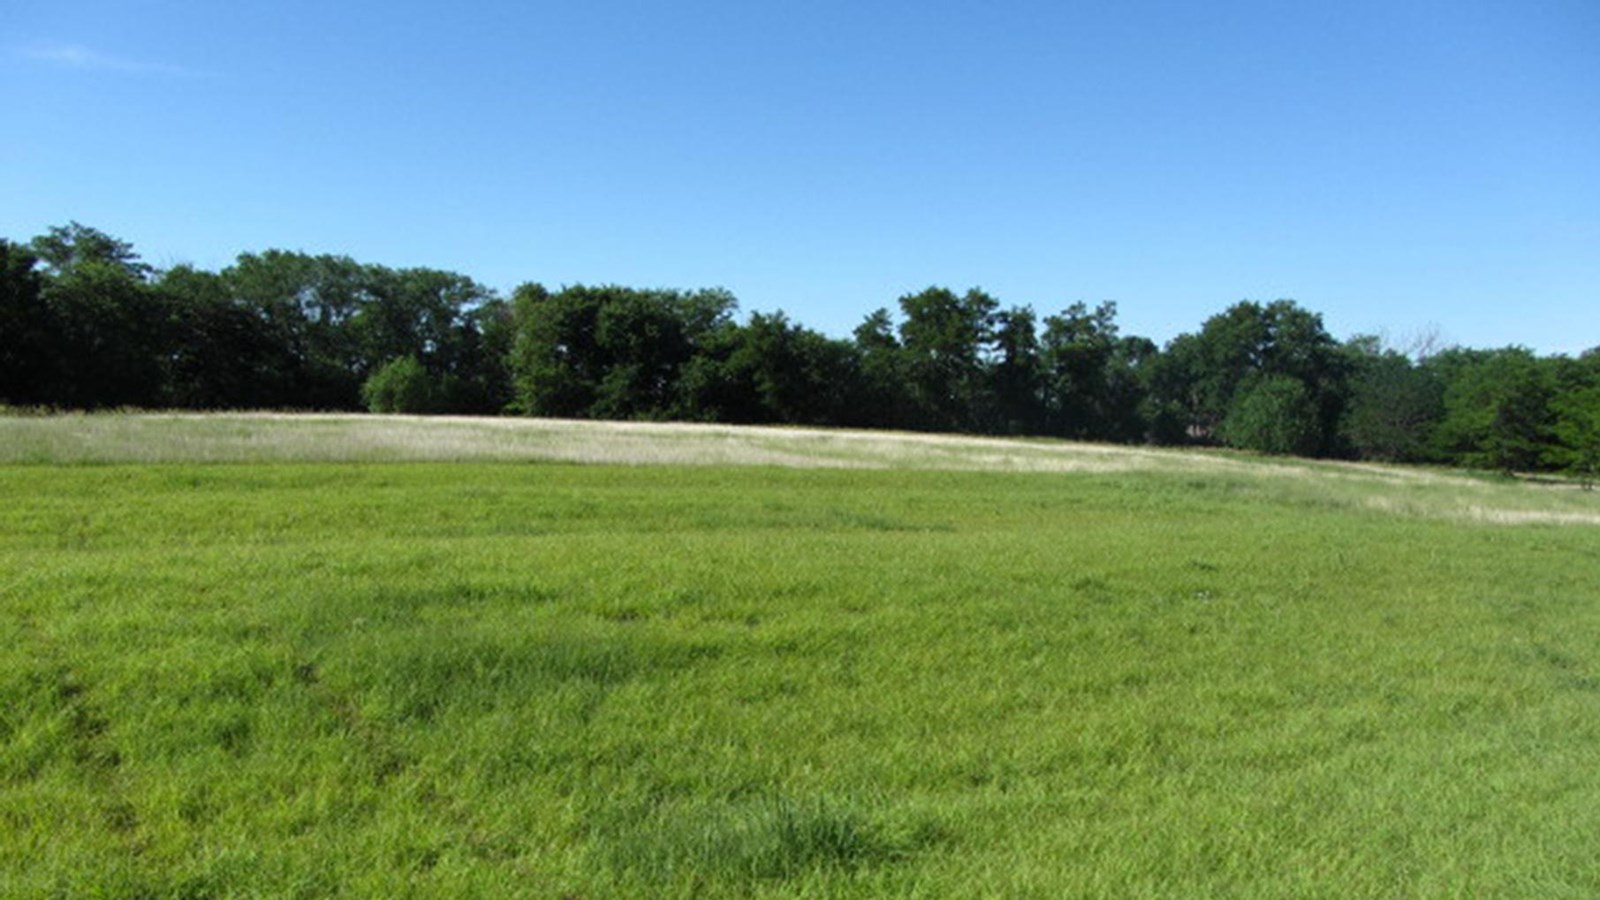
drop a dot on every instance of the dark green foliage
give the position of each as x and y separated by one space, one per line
1077 346
1018 373
63 248
428 315
93 326
492 327
1093 378
401 386
110 332
1577 432
84 323
1575 410
1204 373
769 371
883 382
308 303
645 338
1394 405
28 331
1274 415
609 352
1127 390
223 354
1497 408
945 342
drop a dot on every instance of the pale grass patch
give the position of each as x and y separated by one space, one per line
1444 508
295 437
290 437
1531 516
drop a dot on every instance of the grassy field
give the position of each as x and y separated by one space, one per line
257 656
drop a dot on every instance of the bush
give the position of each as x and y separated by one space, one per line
1275 415
401 386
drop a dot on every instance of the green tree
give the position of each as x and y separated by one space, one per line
609 352
401 385
421 313
221 354
645 342
1496 408
29 332
800 376
1577 433
494 325
1394 405
307 303
1129 372
885 392
1079 345
555 362
63 248
1172 407
110 326
769 370
1203 374
719 383
945 344
1274 414
1017 373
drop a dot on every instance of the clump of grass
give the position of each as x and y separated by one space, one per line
764 836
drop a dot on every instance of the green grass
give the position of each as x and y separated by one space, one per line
489 679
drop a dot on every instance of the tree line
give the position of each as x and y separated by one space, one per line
85 323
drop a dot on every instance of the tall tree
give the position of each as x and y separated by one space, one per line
1237 349
1078 348
494 325
555 361
1394 405
1496 408
946 341
886 396
63 248
1017 373
308 303
1129 373
1576 429
425 315
111 327
29 333
1575 409
770 370
609 352
420 313
222 354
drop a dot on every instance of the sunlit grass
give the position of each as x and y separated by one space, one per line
316 679
348 438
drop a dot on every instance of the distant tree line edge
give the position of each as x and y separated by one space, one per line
86 324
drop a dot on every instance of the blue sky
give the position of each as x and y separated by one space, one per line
1396 166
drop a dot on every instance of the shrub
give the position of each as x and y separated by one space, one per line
401 386
1275 415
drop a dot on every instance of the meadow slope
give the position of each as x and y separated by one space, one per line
321 656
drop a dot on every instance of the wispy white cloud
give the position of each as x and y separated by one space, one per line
77 56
